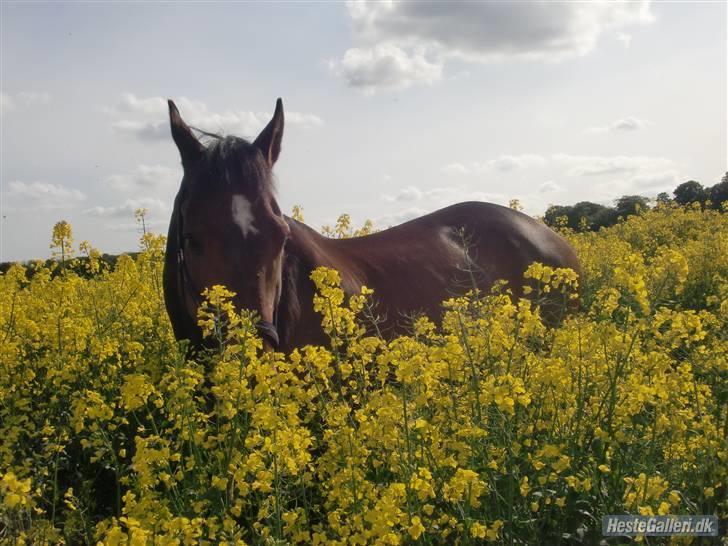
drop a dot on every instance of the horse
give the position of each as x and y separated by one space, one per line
226 228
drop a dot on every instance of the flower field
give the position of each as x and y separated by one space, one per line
488 428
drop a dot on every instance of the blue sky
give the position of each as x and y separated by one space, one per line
392 110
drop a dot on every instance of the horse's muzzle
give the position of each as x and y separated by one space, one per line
269 333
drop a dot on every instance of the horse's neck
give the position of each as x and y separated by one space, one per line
183 325
315 250
305 251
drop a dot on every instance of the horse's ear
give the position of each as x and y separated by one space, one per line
189 147
269 139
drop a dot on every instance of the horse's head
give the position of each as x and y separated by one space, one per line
230 230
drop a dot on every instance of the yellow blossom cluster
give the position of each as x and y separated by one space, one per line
491 427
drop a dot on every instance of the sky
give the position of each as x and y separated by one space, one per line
392 109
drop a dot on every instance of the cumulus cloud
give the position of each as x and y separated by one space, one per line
385 66
579 165
151 225
41 196
156 207
408 193
430 200
656 181
401 43
7 104
146 118
627 124
455 168
145 177
624 38
502 163
573 165
445 195
549 187
399 217
34 97
11 102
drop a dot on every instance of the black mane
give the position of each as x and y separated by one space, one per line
233 160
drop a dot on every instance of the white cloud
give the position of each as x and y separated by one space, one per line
446 195
23 99
647 180
143 130
571 165
154 106
34 97
399 217
627 124
603 165
455 168
408 193
550 187
305 121
511 162
430 200
148 119
624 38
7 104
401 43
385 66
156 208
151 225
30 196
145 177
502 163
656 181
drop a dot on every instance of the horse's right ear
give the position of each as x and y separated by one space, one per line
269 139
189 147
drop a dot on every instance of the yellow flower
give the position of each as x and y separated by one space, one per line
524 487
15 492
416 528
478 530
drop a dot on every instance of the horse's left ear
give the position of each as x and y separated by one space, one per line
269 139
189 147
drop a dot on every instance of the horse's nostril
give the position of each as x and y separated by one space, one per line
269 333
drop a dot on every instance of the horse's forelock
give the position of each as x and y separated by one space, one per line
233 160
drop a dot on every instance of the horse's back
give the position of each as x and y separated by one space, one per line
417 264
497 227
499 234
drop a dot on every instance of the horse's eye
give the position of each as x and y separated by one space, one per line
191 243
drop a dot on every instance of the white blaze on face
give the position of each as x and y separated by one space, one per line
243 215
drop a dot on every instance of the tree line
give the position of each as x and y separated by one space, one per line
588 216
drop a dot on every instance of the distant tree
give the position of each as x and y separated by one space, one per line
515 204
583 216
553 214
689 192
663 198
596 215
627 205
604 217
718 194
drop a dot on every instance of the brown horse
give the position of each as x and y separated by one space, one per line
227 228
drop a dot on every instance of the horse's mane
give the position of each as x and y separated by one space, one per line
228 159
